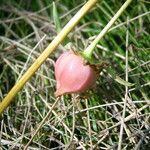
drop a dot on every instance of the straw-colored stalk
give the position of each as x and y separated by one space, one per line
40 60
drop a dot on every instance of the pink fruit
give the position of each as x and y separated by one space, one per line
72 75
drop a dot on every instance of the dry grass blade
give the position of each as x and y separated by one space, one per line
126 88
41 124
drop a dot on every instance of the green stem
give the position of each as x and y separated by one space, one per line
87 53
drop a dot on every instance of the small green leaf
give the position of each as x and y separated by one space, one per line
123 82
69 45
118 79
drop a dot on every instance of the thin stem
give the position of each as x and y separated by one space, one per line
89 126
74 96
40 60
89 50
126 90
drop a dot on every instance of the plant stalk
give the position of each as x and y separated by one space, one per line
40 60
87 53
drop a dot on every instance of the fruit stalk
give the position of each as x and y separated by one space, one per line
89 50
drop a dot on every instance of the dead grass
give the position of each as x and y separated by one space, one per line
108 117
